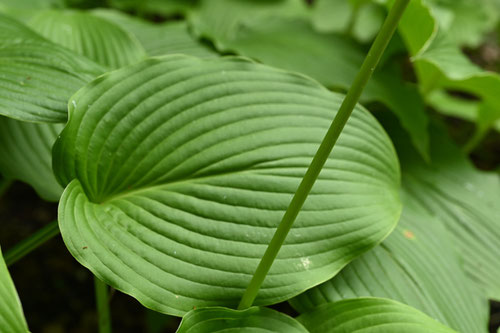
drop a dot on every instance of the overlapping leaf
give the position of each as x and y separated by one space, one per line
223 20
465 22
292 44
252 320
400 268
466 200
360 18
26 154
159 39
11 313
178 170
88 35
38 76
441 64
369 315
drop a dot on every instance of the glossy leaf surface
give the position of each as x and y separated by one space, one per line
252 320
179 169
370 315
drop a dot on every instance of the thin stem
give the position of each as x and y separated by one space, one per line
324 150
31 243
102 301
475 140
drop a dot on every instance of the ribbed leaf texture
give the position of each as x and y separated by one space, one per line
465 199
252 320
159 39
38 76
369 315
399 269
96 38
286 39
177 171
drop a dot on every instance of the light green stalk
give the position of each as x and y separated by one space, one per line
324 150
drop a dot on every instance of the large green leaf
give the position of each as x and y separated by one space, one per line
38 76
159 39
91 36
26 154
11 313
405 268
178 170
370 315
292 44
252 320
465 199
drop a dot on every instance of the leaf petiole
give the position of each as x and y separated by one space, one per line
31 243
324 150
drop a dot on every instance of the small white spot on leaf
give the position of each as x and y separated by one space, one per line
306 262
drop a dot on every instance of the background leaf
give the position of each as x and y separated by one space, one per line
11 312
360 18
369 315
440 63
26 150
462 197
38 76
185 166
88 35
159 39
400 268
254 319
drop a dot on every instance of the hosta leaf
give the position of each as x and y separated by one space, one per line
417 27
254 319
441 64
26 154
91 36
292 44
37 77
159 39
374 315
463 198
11 313
400 269
222 20
178 170
444 66
466 200
465 22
